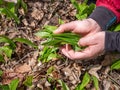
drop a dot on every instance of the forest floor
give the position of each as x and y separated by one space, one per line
24 61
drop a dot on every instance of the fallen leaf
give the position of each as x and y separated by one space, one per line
93 71
37 14
23 68
25 22
106 85
9 75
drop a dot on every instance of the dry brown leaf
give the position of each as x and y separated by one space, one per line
23 68
32 62
67 71
25 22
37 14
93 71
56 74
106 85
9 75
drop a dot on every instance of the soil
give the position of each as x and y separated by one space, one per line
24 61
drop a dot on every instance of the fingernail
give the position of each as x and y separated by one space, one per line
57 31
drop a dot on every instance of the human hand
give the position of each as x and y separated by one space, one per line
84 27
95 46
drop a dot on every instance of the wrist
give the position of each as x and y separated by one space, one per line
104 17
94 25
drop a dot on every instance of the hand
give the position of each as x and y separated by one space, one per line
95 46
89 29
84 27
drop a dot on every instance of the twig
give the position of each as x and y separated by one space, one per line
113 80
22 58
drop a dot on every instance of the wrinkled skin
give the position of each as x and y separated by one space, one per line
93 38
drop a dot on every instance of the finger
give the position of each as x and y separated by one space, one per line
66 27
87 40
66 53
86 54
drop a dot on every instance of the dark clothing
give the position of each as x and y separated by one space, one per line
112 41
106 14
104 17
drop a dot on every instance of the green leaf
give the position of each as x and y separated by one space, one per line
91 7
80 17
61 21
117 28
64 38
22 4
116 65
1 2
1 9
50 28
7 50
50 79
25 41
10 14
48 54
11 6
7 40
1 58
85 2
85 81
1 72
95 82
13 85
43 34
52 56
4 87
50 70
75 4
28 81
64 86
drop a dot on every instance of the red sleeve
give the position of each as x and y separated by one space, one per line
113 5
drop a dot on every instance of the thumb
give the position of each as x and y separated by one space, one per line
66 27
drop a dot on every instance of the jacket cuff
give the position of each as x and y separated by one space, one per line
112 41
104 17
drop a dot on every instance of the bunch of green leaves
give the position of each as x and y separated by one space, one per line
8 46
83 10
12 86
10 9
47 54
53 41
86 79
57 40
